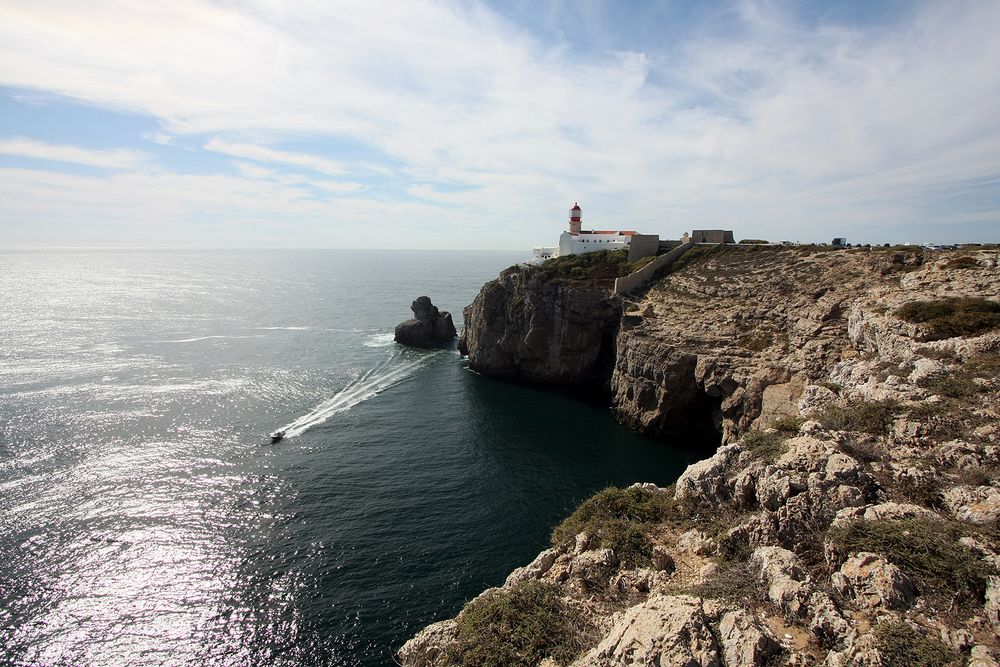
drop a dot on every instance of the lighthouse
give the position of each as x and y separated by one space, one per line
575 218
576 241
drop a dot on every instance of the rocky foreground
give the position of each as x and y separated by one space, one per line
849 516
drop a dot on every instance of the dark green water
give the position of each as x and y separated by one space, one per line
146 520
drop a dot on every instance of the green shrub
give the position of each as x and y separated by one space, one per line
788 425
902 646
696 254
953 386
599 265
925 491
756 342
954 316
732 581
767 445
620 519
873 417
638 264
928 550
964 262
521 625
985 366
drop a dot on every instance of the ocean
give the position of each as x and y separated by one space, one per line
145 517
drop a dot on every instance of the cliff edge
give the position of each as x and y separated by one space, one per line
850 518
526 325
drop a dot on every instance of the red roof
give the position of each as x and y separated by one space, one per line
576 207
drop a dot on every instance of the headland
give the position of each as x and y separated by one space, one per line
845 514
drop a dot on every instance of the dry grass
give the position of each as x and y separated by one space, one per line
948 574
874 417
951 317
621 520
521 625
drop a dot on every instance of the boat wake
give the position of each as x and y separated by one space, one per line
373 382
198 338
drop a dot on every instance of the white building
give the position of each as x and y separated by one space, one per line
577 241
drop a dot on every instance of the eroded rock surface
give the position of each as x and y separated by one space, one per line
526 326
429 327
885 433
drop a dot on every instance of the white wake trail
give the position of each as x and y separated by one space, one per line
371 383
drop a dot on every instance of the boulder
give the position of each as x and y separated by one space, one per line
746 641
992 606
429 326
534 570
664 630
874 583
427 648
788 586
978 505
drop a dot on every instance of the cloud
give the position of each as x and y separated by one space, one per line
105 159
264 154
157 208
160 138
765 122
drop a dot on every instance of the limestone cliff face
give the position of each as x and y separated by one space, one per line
739 333
863 532
728 342
525 326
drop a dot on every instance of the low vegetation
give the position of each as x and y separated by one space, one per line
954 316
951 386
769 444
521 625
904 262
977 375
902 646
602 265
621 520
946 572
756 342
874 417
696 254
963 262
731 581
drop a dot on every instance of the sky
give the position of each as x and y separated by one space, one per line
477 125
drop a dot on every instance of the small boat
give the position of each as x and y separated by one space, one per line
277 436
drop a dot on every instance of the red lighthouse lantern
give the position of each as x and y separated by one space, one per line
575 218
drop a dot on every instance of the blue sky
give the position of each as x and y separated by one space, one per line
477 125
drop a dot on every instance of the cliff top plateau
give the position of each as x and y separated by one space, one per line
848 513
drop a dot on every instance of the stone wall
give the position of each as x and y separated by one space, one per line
643 245
646 274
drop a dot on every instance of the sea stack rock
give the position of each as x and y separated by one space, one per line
429 327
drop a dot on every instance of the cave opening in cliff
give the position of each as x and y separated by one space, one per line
698 424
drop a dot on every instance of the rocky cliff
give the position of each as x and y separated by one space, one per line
735 337
526 326
851 516
429 327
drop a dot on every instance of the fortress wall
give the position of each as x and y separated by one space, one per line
645 274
